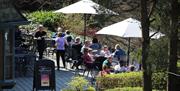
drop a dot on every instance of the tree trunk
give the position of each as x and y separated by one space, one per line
172 80
147 82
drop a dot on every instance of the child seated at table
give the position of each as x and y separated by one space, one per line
108 63
104 71
88 62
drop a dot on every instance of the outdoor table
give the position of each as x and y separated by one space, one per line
99 61
48 41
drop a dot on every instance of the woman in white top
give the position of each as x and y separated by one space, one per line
86 45
105 52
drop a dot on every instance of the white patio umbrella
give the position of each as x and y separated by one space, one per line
85 7
128 28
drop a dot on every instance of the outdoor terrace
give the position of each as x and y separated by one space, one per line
63 76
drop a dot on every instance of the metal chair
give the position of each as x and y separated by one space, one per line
29 63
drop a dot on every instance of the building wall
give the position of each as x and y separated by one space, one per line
1 56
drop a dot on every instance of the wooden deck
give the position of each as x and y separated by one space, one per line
63 76
26 83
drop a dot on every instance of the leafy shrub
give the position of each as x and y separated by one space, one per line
178 66
90 89
178 63
131 79
158 55
52 20
79 84
47 18
159 80
74 23
126 89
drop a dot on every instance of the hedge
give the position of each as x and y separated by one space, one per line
131 79
127 89
79 84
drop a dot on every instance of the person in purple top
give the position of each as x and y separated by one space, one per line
60 49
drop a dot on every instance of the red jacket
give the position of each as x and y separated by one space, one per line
87 58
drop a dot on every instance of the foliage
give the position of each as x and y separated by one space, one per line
90 89
137 54
178 64
126 89
74 22
158 54
52 20
159 80
162 16
79 84
131 79
47 18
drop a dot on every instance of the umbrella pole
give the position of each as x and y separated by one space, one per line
85 27
129 42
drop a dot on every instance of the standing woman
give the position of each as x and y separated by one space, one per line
60 49
40 36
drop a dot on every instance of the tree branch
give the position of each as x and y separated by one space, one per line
155 32
152 8
152 20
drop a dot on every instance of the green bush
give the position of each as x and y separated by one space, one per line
131 79
79 84
90 89
51 20
159 80
47 18
126 89
178 64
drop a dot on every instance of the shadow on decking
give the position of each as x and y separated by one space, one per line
26 83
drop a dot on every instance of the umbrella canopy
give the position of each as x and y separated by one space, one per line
86 7
129 28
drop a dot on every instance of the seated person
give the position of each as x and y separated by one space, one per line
105 52
99 61
131 68
91 54
95 45
136 65
107 63
86 45
76 51
120 67
104 71
119 53
88 62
